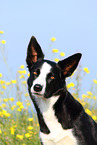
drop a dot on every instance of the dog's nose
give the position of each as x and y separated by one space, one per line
37 88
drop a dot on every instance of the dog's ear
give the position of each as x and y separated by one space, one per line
69 64
34 52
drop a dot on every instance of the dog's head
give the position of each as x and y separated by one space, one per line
47 78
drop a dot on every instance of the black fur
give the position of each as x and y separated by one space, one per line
68 111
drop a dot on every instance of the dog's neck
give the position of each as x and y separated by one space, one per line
67 109
62 110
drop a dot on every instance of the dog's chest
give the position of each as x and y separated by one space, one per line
57 136
64 138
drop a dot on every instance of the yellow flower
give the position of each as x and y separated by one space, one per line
21 106
12 130
13 81
27 135
94 117
94 97
53 39
13 107
7 114
22 76
83 103
6 100
0 131
31 132
22 66
3 41
4 112
86 70
95 81
1 114
1 32
1 75
26 94
8 83
11 99
3 105
2 82
62 54
84 96
19 136
28 74
55 50
30 119
24 82
70 85
19 110
19 103
37 124
88 112
89 93
29 127
22 71
5 133
4 87
28 104
56 59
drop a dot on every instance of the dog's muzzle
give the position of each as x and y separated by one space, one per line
37 88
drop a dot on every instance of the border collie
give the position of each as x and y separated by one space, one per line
61 117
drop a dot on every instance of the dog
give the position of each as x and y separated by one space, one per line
61 117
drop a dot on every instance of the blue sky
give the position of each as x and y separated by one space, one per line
73 23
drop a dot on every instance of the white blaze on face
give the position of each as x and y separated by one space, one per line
41 79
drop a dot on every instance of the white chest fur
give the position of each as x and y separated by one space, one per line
57 136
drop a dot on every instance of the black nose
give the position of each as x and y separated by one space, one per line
37 88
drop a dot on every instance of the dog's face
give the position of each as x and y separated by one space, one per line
47 78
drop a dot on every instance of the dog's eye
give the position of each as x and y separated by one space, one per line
35 73
52 77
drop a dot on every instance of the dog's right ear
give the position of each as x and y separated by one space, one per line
34 53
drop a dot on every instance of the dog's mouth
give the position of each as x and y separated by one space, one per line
38 94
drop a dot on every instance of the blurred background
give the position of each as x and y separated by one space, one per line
62 28
73 23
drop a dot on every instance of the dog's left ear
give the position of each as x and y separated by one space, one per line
34 52
69 64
